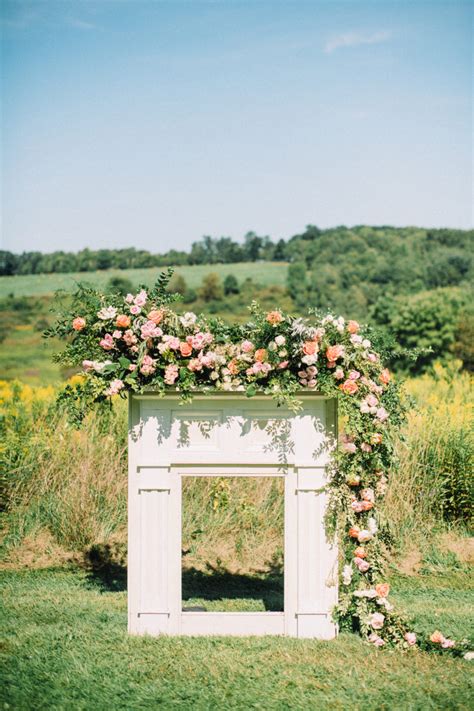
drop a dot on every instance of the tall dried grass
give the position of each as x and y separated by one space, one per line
72 484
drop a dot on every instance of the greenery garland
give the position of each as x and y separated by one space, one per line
139 342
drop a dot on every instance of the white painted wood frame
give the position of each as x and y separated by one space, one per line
228 434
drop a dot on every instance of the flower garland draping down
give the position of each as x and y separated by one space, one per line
138 341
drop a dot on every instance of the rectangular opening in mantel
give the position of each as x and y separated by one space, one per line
232 544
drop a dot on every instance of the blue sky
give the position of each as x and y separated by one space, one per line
149 124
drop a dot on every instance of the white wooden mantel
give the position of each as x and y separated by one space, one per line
228 434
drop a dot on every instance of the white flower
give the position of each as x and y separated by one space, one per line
188 319
370 594
347 574
272 346
469 656
309 359
280 340
283 353
372 525
366 343
107 313
214 375
327 319
340 328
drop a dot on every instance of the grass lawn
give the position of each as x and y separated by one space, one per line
66 647
264 273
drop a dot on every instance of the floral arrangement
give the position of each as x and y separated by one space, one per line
139 342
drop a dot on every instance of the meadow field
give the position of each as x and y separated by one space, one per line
264 273
64 556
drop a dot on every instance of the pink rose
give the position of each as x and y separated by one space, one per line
135 309
148 365
376 640
171 373
88 364
381 414
129 298
364 536
129 337
362 565
140 299
354 375
150 330
107 342
247 346
283 365
365 447
377 620
339 373
447 643
115 387
410 637
349 447
172 342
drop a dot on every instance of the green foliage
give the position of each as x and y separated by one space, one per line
119 285
211 289
427 322
296 283
231 285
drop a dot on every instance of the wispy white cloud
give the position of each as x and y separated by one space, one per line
355 39
80 24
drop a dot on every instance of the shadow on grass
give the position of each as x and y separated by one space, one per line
108 573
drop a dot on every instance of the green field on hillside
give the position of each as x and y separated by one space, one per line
264 273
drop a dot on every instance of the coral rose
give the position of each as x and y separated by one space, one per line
274 317
352 326
382 589
123 321
385 376
156 316
360 552
79 323
334 352
437 637
354 532
233 367
260 355
349 387
185 349
310 347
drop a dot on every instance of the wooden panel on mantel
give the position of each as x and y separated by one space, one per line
228 434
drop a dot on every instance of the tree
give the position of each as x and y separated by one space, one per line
231 285
119 284
177 285
297 284
211 288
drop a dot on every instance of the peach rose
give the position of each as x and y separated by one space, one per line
382 589
354 531
310 347
349 387
360 552
352 326
155 316
185 349
260 355
376 438
274 317
437 637
79 323
334 352
123 321
233 367
385 376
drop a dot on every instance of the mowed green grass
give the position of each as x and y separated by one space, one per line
264 273
66 647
